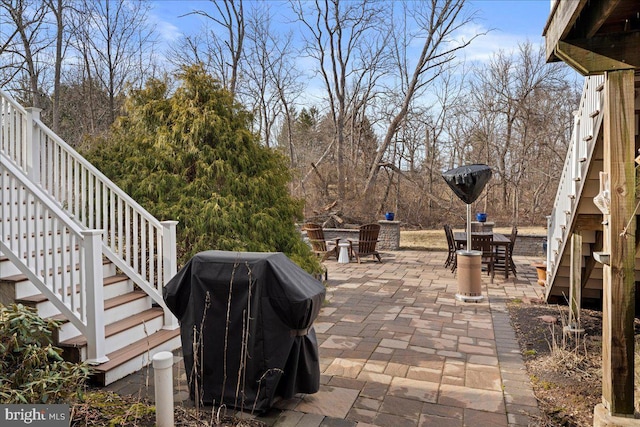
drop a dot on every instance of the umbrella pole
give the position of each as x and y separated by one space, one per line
468 227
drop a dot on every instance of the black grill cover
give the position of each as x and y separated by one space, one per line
215 295
468 181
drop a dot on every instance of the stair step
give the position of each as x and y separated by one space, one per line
37 297
133 357
116 310
109 304
117 327
123 299
23 236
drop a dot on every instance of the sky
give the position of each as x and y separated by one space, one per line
506 23
509 21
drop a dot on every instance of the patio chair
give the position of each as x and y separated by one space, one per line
451 261
505 253
366 243
322 247
482 242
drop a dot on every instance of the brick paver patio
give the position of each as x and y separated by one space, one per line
397 349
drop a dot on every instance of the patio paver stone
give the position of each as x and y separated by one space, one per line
397 349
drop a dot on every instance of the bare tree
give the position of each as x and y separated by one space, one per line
59 9
273 79
26 42
8 33
224 54
348 41
507 95
437 20
116 45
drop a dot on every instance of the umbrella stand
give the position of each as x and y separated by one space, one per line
469 269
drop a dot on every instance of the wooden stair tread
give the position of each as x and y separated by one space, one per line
58 318
117 327
123 299
22 277
14 278
135 349
114 279
34 299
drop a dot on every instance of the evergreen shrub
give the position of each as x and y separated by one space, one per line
189 155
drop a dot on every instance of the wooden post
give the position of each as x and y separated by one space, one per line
618 280
32 145
169 266
92 270
575 281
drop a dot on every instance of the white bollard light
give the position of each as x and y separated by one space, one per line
163 379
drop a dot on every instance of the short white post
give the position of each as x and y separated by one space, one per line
169 266
163 380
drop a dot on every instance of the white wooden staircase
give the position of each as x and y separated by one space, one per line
77 248
574 208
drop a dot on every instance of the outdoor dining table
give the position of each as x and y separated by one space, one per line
498 239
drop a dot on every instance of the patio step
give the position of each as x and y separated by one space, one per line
117 334
135 356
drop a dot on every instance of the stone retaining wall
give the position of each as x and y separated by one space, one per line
529 245
388 239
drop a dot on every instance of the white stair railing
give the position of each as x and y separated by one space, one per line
136 242
587 122
62 260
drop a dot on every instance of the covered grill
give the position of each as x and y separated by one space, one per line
246 327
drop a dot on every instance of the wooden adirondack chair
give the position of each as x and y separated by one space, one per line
319 245
366 243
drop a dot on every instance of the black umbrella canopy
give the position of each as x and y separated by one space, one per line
467 182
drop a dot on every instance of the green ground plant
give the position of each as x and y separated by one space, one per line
31 368
188 154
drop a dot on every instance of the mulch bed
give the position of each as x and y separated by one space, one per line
565 369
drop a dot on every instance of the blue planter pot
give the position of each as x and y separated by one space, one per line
481 217
389 216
